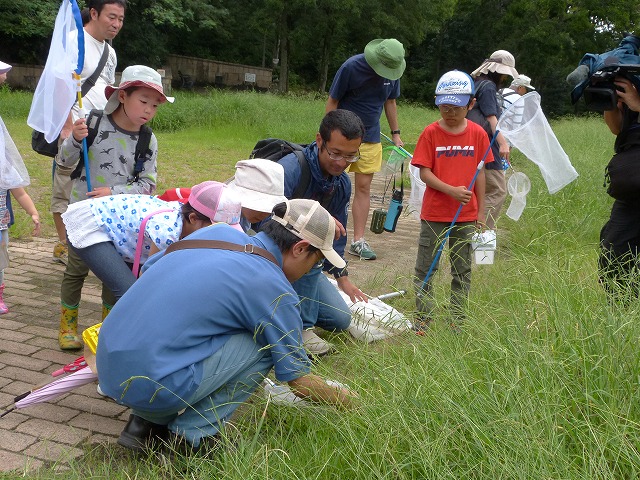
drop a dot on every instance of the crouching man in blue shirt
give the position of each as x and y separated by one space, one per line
198 332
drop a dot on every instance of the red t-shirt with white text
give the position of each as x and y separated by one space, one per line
453 158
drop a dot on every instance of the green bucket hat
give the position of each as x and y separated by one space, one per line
386 57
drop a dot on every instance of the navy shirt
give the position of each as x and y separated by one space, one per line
359 89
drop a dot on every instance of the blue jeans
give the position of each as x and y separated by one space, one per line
320 302
106 263
229 377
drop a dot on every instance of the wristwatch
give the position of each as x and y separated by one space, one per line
395 132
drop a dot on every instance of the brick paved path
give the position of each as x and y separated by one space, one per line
55 431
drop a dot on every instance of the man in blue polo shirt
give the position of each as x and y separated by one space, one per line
365 84
203 326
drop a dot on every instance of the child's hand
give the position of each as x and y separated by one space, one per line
461 194
80 130
36 225
99 192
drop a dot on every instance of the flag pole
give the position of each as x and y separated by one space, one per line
85 150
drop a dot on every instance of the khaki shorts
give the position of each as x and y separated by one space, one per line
61 191
370 160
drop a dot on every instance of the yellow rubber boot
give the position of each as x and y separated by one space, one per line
105 310
68 334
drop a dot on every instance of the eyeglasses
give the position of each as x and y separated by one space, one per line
320 257
337 157
450 108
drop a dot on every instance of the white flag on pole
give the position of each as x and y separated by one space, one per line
56 90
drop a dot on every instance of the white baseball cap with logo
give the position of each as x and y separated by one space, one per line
308 220
455 88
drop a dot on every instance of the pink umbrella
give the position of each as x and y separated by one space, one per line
54 389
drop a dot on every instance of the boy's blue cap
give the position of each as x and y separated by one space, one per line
455 88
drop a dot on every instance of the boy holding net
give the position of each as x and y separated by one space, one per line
448 154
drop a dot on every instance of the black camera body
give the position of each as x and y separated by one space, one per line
601 93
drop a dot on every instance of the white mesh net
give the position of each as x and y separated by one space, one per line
526 127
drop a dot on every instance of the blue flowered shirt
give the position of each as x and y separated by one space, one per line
120 216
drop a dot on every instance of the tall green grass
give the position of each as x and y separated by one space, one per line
543 381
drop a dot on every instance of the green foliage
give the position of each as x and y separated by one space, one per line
311 39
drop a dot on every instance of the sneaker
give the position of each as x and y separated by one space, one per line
280 393
314 345
60 253
361 248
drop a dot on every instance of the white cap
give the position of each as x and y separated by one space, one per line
522 81
4 67
259 183
308 220
455 88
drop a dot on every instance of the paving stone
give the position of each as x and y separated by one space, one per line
20 338
54 452
99 405
9 325
12 346
31 377
16 441
41 331
95 423
17 387
13 462
48 343
12 420
23 361
51 412
55 356
52 431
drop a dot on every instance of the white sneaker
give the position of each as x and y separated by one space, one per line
314 345
280 393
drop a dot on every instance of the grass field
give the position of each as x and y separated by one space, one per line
543 382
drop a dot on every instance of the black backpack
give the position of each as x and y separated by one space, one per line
274 149
142 152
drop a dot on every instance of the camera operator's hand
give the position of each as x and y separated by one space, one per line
629 94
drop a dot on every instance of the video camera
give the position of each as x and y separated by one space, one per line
600 94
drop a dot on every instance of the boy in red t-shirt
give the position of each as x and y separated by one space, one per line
448 154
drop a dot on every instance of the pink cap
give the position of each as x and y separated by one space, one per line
217 202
